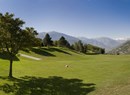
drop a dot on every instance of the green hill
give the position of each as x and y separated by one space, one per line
85 74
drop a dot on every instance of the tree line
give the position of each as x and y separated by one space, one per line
77 46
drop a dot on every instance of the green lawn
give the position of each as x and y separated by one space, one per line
86 74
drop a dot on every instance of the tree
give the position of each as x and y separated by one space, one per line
37 42
13 37
55 43
85 48
63 42
47 40
78 46
81 47
75 46
95 49
102 51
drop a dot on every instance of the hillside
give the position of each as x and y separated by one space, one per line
123 49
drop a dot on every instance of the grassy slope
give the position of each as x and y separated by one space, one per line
110 73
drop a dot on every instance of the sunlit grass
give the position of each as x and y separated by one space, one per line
110 73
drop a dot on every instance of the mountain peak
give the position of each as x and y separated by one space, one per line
53 32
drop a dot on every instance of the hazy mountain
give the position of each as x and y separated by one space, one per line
123 49
92 41
41 35
56 36
103 42
108 42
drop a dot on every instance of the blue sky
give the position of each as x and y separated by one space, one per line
86 18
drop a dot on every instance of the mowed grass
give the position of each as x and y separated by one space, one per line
108 74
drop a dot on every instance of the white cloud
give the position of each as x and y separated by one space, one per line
121 38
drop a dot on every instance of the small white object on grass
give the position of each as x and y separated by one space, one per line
66 66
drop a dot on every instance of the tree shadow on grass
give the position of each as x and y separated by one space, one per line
46 51
47 86
56 49
5 56
41 51
26 50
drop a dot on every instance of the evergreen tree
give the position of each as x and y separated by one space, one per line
47 40
102 51
78 46
85 48
81 47
63 42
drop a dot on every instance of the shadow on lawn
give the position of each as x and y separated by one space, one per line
47 86
46 51
41 51
5 56
56 49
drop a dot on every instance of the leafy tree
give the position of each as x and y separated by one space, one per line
13 37
55 43
95 49
47 40
63 42
72 46
78 46
37 42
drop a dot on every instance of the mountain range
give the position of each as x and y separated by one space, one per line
103 42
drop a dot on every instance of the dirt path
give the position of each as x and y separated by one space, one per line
31 57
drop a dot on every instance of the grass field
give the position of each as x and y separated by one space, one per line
86 74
